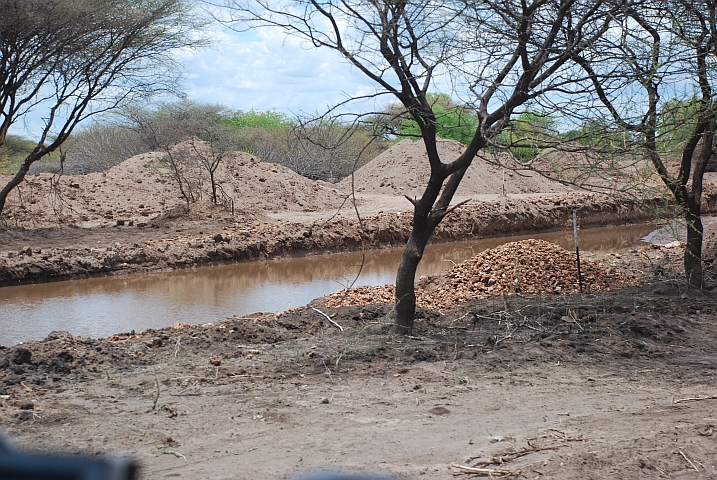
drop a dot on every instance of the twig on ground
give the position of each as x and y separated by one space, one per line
574 319
328 372
176 350
460 318
688 460
510 335
695 399
328 318
175 453
485 471
510 456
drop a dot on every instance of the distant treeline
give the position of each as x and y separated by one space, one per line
319 149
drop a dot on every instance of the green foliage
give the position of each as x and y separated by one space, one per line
266 120
600 136
326 150
677 122
13 153
453 121
528 134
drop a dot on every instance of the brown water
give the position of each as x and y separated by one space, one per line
103 306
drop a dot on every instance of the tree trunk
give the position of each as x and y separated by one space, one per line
427 214
693 210
693 215
405 283
693 251
15 181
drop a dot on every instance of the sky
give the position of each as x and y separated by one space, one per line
266 70
262 70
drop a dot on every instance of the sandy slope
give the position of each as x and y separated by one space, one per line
404 170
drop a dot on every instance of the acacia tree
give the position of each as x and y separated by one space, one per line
67 61
502 54
195 139
660 59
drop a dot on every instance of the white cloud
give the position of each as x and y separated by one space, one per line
266 70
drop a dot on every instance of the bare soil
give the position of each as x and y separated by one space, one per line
619 384
613 384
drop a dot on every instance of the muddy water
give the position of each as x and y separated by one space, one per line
104 306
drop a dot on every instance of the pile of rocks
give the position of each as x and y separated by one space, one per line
527 266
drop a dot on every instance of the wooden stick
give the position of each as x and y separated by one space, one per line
695 399
484 471
175 453
509 457
577 250
688 460
156 399
328 318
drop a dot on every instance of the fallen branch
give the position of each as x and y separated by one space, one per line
510 335
485 471
328 318
695 399
510 456
175 453
688 460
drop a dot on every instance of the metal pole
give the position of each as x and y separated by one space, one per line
577 247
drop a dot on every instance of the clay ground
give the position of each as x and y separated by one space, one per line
619 384
612 384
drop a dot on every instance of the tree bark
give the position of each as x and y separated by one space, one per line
412 255
16 180
693 208
427 214
405 285
693 251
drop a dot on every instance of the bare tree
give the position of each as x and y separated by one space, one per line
99 147
329 150
500 54
659 57
66 61
195 139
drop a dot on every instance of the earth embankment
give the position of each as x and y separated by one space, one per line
240 242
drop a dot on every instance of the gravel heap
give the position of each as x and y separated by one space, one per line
527 266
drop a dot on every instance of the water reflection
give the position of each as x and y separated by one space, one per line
103 306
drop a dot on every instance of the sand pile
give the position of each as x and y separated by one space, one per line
404 170
271 187
141 189
527 266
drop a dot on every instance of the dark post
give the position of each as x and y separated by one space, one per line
577 247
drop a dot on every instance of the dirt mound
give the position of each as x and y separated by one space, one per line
403 170
64 355
271 187
141 189
528 266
